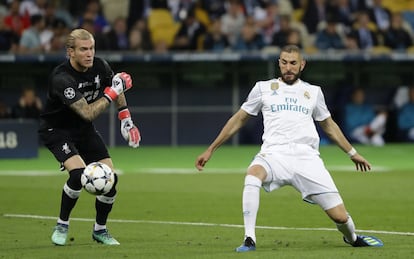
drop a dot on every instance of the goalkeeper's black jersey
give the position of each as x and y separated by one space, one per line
66 86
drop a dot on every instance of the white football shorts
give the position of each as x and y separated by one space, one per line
299 166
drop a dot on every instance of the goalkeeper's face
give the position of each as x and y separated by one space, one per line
82 54
291 65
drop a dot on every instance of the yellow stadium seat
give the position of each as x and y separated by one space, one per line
162 26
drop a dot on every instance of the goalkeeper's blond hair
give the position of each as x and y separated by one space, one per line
80 34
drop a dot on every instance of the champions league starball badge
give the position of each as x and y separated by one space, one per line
69 93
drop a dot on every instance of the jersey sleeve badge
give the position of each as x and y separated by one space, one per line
69 93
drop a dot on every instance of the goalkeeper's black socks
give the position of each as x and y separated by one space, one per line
70 193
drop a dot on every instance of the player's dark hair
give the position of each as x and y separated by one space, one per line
291 48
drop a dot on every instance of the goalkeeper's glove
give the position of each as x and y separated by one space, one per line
129 131
121 82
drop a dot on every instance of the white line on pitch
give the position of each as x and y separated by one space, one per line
341 168
206 224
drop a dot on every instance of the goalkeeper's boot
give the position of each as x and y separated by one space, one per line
247 246
60 234
365 241
103 237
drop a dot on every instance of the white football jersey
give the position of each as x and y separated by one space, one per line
288 112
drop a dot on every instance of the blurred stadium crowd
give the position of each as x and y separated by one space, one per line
40 26
163 26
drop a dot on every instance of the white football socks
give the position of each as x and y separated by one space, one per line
98 227
251 198
348 230
63 222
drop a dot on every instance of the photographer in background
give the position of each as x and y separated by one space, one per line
29 105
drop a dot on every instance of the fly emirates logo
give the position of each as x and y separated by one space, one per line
291 104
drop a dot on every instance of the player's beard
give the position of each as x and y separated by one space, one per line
293 80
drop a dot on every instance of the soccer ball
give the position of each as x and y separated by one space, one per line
97 178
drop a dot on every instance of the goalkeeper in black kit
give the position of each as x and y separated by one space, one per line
79 90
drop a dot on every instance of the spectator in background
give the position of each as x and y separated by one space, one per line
329 38
101 42
29 105
56 28
190 32
138 10
250 39
362 123
351 43
406 118
94 13
214 8
59 33
118 36
139 36
364 35
314 13
280 38
232 21
16 22
343 12
55 12
30 42
396 37
32 7
358 5
215 40
9 40
380 15
4 111
267 20
52 13
294 38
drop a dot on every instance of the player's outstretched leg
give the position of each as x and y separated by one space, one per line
365 241
350 237
60 234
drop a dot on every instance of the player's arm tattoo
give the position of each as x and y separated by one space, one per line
89 112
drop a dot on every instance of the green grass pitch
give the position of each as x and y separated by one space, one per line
166 209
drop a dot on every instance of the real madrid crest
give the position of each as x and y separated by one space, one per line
307 95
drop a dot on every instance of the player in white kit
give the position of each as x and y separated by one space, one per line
289 154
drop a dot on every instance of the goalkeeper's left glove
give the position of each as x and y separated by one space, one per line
121 82
129 131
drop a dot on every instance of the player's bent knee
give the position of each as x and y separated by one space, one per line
74 181
257 171
327 201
